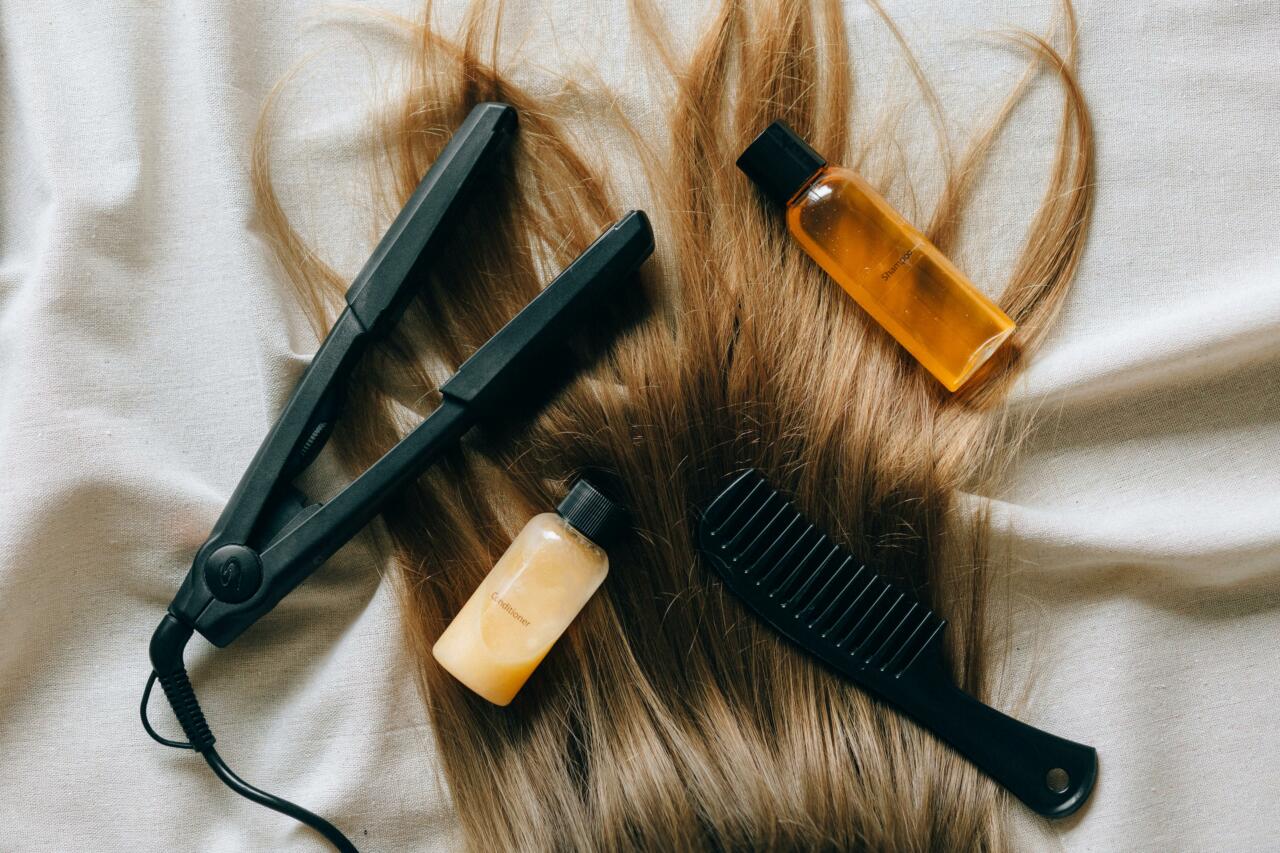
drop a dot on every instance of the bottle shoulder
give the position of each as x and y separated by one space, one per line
832 174
548 530
838 198
830 185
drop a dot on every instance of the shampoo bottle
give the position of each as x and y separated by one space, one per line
891 269
535 590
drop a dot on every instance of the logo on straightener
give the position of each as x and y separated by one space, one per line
229 576
233 573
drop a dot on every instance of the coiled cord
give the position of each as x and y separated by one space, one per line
182 698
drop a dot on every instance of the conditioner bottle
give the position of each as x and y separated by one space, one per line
889 267
533 593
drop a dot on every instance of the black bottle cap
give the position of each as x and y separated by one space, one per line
591 513
780 162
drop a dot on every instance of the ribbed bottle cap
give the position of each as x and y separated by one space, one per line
588 511
780 162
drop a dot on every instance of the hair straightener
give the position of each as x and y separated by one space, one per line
269 537
820 597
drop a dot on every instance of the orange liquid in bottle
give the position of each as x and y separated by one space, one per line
897 275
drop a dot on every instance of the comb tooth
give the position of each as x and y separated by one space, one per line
741 522
777 549
797 599
794 549
919 629
909 653
747 556
830 584
868 597
742 499
839 583
805 567
850 603
740 538
869 603
899 628
873 637
735 542
850 606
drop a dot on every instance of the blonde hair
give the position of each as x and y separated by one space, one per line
666 718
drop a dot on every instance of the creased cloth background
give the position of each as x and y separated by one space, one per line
147 340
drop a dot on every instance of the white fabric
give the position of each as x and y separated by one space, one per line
147 340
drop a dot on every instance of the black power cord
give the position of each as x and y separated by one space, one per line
166 658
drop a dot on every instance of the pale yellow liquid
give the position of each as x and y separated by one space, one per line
897 275
519 611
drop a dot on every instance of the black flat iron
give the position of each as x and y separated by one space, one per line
269 537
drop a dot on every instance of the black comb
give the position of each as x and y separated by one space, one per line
884 640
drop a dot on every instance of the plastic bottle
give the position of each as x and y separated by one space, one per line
880 259
547 575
